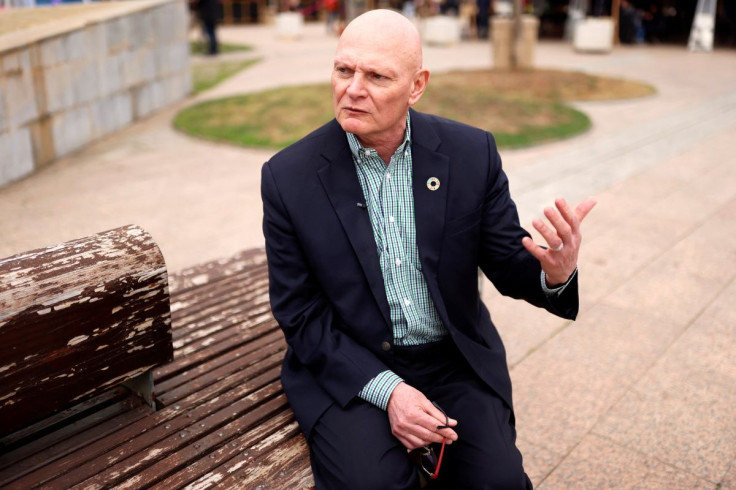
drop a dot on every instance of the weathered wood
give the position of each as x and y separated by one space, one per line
78 318
230 457
60 444
224 421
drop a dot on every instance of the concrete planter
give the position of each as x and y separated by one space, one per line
441 30
289 25
508 54
594 34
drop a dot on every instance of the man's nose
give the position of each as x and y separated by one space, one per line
356 88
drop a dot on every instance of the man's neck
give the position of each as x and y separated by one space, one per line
385 147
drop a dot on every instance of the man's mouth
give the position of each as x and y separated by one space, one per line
355 110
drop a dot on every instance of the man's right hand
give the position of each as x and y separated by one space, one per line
414 419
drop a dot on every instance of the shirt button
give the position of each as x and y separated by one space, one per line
385 346
388 175
367 152
390 219
398 261
407 301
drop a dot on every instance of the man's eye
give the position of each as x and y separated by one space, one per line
377 76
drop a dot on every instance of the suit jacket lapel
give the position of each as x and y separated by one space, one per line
429 205
342 186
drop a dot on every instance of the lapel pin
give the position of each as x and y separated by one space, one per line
433 183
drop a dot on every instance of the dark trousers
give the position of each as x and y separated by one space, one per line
210 31
354 448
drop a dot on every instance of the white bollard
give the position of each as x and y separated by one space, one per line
289 25
594 35
442 30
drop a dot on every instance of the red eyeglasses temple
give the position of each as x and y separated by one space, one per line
439 462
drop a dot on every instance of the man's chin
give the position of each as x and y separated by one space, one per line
351 125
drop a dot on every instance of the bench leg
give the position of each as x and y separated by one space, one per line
143 386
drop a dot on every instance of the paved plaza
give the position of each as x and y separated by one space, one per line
640 391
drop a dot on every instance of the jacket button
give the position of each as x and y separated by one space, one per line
386 346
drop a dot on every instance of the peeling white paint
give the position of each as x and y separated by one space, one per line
62 297
148 275
77 340
12 393
153 453
237 466
102 347
144 325
44 311
200 279
116 309
206 481
6 367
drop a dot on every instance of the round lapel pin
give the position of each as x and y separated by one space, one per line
433 183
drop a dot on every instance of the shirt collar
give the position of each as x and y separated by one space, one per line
359 152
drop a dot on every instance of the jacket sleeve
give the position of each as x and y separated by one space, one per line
311 326
504 260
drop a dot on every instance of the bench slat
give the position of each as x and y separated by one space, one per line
182 386
224 436
234 454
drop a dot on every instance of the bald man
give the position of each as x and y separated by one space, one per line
375 227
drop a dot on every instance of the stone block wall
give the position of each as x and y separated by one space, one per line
68 82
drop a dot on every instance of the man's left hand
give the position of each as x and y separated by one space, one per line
563 238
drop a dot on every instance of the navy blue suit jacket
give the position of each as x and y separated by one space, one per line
326 287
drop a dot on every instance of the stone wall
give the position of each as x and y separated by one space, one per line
93 71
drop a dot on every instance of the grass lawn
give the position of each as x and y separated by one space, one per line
199 47
520 108
208 74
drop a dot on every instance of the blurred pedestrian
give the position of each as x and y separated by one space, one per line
209 12
332 8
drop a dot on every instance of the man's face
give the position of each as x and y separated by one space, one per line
372 87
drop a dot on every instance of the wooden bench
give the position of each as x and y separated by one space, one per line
222 419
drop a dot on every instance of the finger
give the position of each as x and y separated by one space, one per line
438 428
567 213
411 442
562 228
582 209
534 249
550 235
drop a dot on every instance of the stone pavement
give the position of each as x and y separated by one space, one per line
639 392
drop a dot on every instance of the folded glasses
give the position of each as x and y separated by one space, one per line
425 457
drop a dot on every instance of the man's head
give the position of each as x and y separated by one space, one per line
377 76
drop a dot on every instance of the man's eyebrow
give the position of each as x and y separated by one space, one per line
366 67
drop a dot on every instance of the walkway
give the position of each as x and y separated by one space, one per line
639 392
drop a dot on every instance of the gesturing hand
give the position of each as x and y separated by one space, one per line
564 237
414 419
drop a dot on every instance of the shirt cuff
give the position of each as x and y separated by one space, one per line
558 290
378 390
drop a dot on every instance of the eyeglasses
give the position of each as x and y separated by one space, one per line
425 458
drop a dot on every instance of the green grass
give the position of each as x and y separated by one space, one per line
274 118
519 108
207 75
200 47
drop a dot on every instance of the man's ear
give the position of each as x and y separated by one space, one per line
418 85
